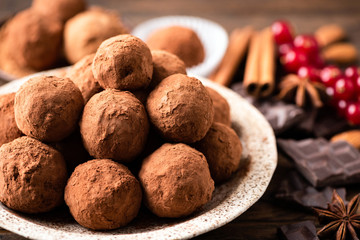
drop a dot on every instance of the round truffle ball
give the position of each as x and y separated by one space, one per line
103 195
81 74
123 62
180 108
48 108
32 40
84 33
222 149
165 64
32 176
176 180
114 125
181 41
59 9
8 128
221 107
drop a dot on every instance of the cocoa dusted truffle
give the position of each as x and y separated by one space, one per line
181 41
48 108
31 40
222 149
221 107
81 74
180 108
59 9
84 33
32 176
176 180
8 128
123 62
103 195
114 125
165 64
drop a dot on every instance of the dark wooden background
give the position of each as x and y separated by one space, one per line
261 220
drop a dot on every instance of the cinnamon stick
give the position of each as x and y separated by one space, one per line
251 76
238 43
267 63
259 79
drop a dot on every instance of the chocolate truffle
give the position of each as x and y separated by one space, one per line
181 41
103 195
32 40
180 108
114 125
165 64
32 176
48 108
59 9
81 74
222 149
123 62
221 107
8 128
176 180
84 33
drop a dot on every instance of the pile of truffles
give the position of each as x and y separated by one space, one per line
53 29
142 131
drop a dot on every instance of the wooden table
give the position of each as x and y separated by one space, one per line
262 219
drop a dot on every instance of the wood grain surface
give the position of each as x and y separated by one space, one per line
262 219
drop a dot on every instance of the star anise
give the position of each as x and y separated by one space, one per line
302 88
340 217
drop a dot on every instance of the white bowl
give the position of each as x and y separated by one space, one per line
213 37
230 199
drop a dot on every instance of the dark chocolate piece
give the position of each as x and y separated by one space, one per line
305 230
279 114
296 189
324 163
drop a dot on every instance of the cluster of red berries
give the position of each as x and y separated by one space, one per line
301 55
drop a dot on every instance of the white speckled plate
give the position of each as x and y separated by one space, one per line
230 199
213 37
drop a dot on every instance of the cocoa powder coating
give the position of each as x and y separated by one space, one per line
180 108
123 62
114 125
59 9
176 180
48 108
221 107
165 64
181 41
222 149
103 195
32 176
81 74
84 33
8 128
31 40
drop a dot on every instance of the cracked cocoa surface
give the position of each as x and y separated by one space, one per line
32 176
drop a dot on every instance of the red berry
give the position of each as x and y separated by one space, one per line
309 72
353 113
317 61
341 107
293 60
307 44
344 89
285 48
352 72
282 32
357 85
329 74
